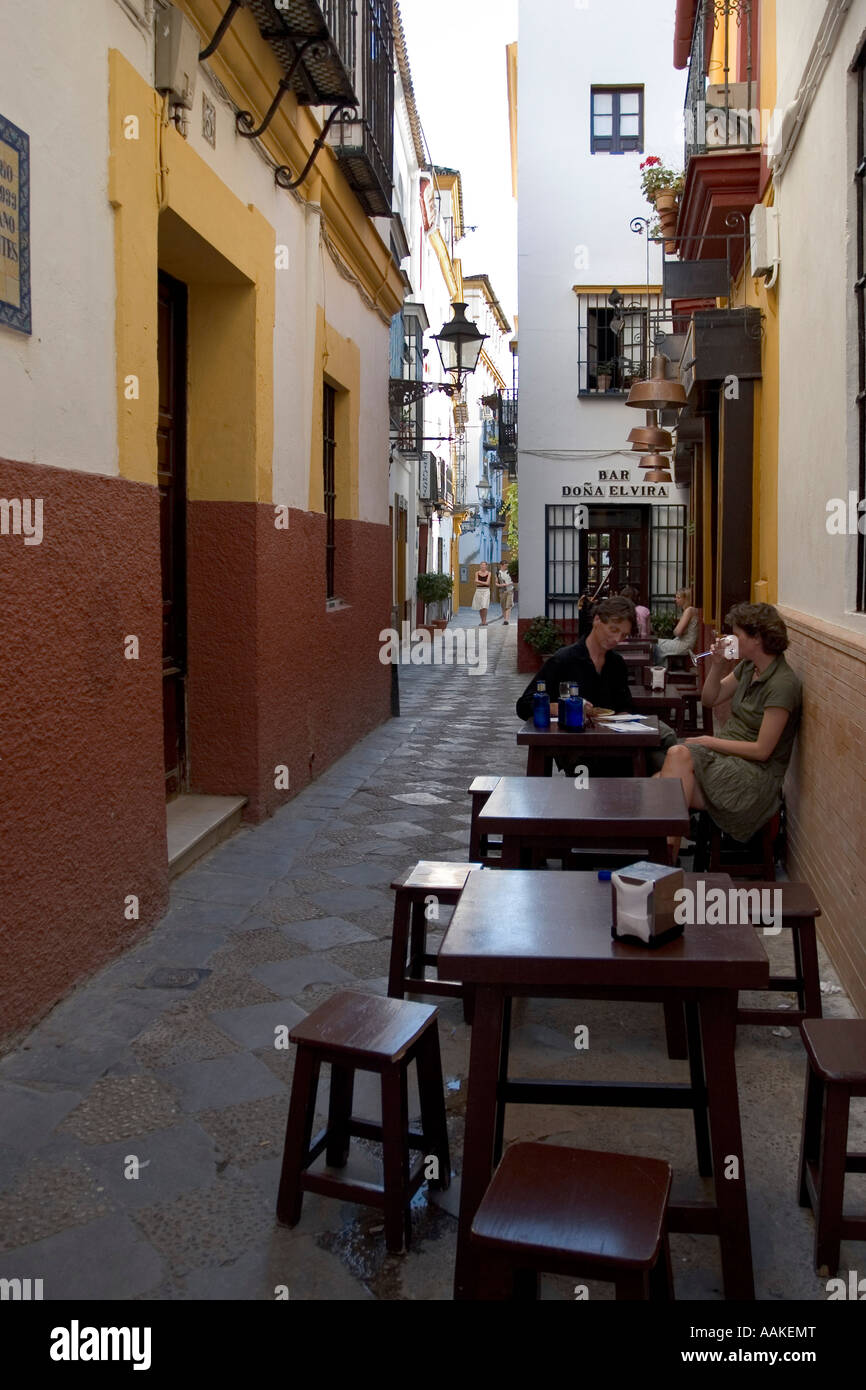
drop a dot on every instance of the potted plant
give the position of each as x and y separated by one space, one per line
663 622
435 588
604 375
544 636
662 187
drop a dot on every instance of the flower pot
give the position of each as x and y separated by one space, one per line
439 624
665 200
603 382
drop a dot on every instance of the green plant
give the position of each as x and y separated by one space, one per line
544 636
509 500
434 587
656 177
663 622
513 569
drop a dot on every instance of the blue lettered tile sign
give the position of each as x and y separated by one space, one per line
14 227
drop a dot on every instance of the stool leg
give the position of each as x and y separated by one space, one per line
809 969
632 1286
810 1140
417 940
395 1131
525 1285
499 1128
798 970
698 1081
831 1179
468 1003
675 1031
299 1130
661 1281
399 946
340 1115
432 1096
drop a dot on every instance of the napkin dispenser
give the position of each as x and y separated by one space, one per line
644 903
659 676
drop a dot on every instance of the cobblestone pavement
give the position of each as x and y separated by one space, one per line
165 1063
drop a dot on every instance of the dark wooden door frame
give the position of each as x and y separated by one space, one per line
171 475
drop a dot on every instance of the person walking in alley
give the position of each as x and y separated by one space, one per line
481 601
505 585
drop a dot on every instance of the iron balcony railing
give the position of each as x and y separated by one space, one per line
616 342
315 41
508 429
720 110
363 140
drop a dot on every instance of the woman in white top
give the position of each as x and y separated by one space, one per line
481 601
685 636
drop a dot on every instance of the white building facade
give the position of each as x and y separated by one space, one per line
592 106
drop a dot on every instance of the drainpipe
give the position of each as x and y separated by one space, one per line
794 115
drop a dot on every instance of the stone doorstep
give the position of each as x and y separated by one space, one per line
196 825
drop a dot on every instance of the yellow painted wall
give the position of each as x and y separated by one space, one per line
337 361
173 212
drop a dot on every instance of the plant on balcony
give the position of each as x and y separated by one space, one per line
435 588
604 375
544 636
662 187
656 178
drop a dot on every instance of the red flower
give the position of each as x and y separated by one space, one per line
650 161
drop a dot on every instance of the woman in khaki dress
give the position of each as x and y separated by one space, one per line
737 775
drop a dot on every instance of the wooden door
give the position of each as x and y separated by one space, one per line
616 540
171 466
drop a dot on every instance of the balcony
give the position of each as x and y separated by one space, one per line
363 140
722 132
315 42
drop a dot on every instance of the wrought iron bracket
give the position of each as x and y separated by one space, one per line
283 174
221 29
244 119
401 393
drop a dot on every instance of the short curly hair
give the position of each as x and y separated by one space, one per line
761 620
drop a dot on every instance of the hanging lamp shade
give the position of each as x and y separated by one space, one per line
460 342
658 468
650 439
657 393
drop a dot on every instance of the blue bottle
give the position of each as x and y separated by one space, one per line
574 716
541 707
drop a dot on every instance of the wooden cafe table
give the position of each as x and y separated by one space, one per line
631 813
537 934
597 740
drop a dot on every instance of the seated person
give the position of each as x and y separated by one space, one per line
601 676
642 614
737 775
685 637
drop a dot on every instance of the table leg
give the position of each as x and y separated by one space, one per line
718 1011
510 852
638 762
479 1129
538 764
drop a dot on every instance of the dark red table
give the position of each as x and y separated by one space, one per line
597 740
538 934
628 813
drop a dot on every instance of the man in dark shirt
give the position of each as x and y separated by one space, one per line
598 670
601 676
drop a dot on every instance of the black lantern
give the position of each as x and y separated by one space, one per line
459 344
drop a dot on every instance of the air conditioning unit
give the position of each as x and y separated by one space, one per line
764 239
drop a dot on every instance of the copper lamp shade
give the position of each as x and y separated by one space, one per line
658 467
657 393
649 438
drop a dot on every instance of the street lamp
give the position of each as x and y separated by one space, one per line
459 344
484 490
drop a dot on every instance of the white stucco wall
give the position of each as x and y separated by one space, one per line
57 388
573 218
818 437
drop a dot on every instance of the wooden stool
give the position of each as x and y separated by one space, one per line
363 1032
428 879
478 843
836 1052
755 858
799 910
577 1212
